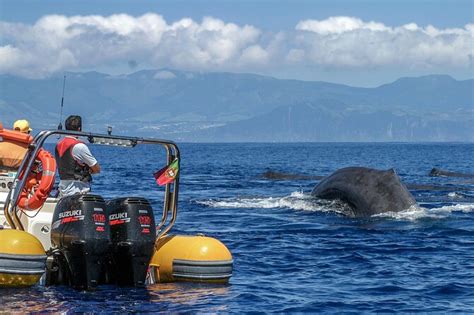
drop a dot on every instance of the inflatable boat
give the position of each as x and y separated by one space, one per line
86 240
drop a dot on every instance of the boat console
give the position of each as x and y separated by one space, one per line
6 181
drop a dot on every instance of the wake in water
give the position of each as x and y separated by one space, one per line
306 202
418 212
296 201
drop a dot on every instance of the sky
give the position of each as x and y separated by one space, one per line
359 43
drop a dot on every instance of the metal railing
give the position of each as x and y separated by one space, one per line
170 203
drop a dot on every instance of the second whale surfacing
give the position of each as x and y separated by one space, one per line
436 172
366 191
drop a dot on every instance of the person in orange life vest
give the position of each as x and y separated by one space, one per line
75 162
13 152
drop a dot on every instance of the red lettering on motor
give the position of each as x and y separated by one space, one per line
99 217
144 220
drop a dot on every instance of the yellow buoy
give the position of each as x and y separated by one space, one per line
191 258
22 259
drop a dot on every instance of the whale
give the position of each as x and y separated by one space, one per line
436 172
366 191
275 175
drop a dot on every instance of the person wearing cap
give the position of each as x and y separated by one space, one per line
75 162
12 152
22 125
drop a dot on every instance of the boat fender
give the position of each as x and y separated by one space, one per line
22 259
191 258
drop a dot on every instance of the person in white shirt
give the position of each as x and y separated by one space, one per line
75 162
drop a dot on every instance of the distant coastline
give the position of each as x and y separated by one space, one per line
230 107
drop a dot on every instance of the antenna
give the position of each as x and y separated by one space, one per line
60 126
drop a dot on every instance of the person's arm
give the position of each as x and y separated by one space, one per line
95 168
82 153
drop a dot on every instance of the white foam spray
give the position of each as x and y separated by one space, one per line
305 202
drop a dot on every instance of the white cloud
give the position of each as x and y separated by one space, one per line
164 75
338 25
254 54
295 55
9 56
351 42
410 27
57 43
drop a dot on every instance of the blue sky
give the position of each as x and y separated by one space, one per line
363 43
274 15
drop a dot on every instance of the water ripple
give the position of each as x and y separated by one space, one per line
293 253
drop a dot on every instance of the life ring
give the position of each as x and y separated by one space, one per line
39 184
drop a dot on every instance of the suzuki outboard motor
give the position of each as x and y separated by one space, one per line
80 233
132 230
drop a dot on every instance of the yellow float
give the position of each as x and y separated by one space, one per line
22 259
191 258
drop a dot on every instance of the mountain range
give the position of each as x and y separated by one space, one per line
230 107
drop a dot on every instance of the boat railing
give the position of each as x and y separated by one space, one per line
170 203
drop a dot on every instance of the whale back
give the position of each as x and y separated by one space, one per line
436 172
367 191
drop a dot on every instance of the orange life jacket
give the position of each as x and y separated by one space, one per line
13 147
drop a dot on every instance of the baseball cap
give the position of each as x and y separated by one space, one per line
22 125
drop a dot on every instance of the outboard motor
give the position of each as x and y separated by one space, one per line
133 235
80 234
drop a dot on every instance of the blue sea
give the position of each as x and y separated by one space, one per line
293 253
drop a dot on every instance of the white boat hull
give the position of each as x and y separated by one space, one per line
37 222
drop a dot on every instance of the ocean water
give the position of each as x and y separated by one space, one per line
293 253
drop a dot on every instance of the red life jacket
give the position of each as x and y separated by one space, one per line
68 167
